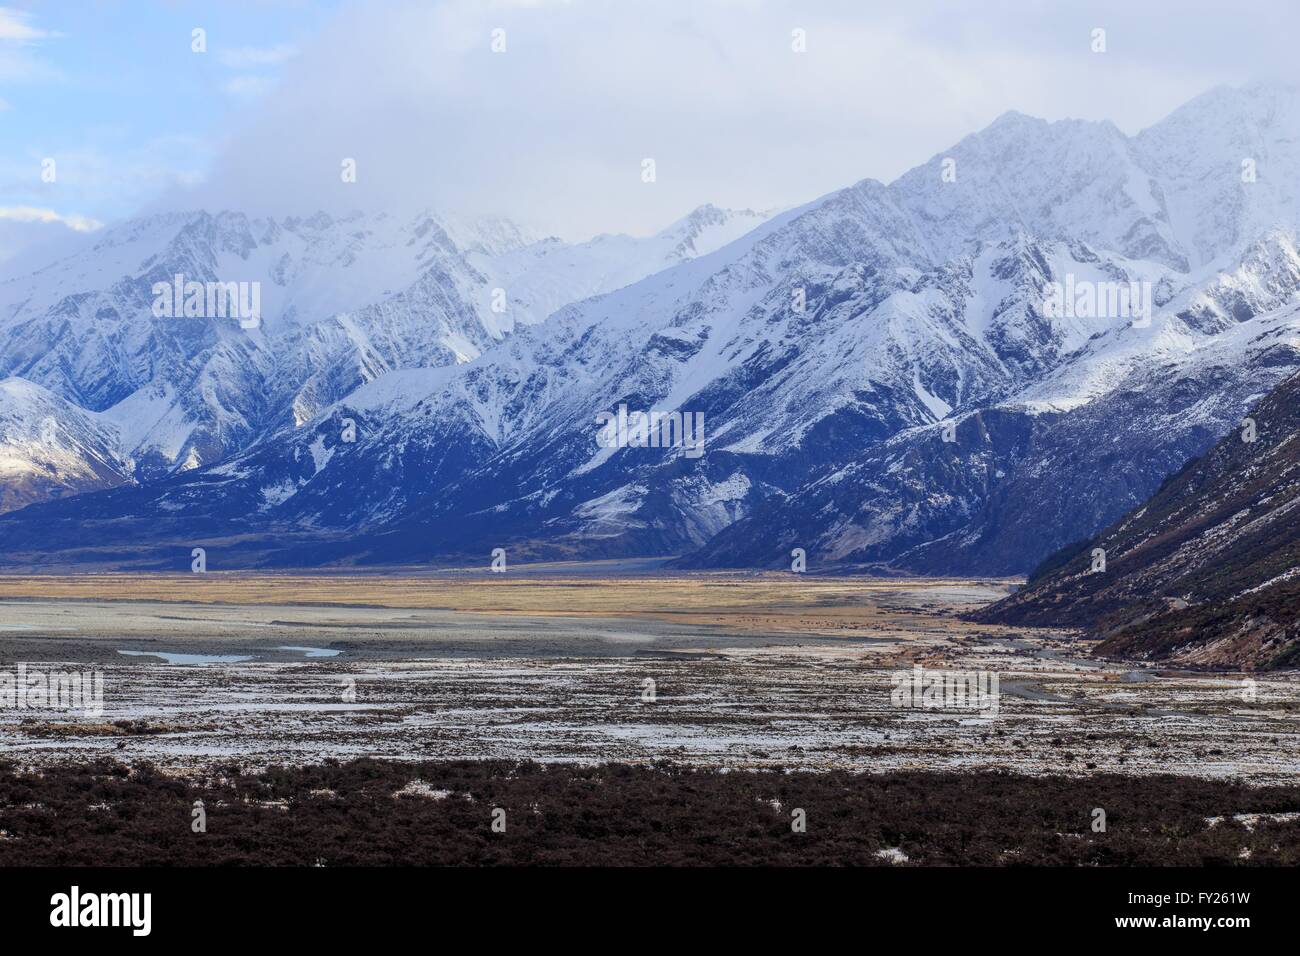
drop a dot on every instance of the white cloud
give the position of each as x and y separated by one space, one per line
251 84
107 183
16 25
249 57
17 36
36 214
31 236
553 131
248 85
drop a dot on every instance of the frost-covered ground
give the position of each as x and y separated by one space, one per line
805 691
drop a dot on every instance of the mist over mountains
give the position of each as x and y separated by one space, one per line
880 380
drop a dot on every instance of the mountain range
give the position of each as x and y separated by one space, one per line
1207 572
882 380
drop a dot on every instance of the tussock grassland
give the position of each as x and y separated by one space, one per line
763 601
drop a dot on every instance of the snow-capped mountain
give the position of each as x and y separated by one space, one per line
342 301
1204 573
1041 469
831 350
49 447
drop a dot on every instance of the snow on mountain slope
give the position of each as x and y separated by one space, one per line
1097 432
308 267
488 236
520 416
545 276
1178 193
1035 472
49 447
84 327
1201 156
1066 179
827 349
505 445
1203 573
343 302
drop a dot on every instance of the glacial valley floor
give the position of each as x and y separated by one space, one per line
734 671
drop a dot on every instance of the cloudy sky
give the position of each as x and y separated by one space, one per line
553 130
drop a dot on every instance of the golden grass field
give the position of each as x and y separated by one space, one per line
782 602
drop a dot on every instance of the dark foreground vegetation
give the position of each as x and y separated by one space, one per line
347 814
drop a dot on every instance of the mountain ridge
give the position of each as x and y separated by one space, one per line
828 349
1204 573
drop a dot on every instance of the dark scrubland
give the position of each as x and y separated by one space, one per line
370 813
